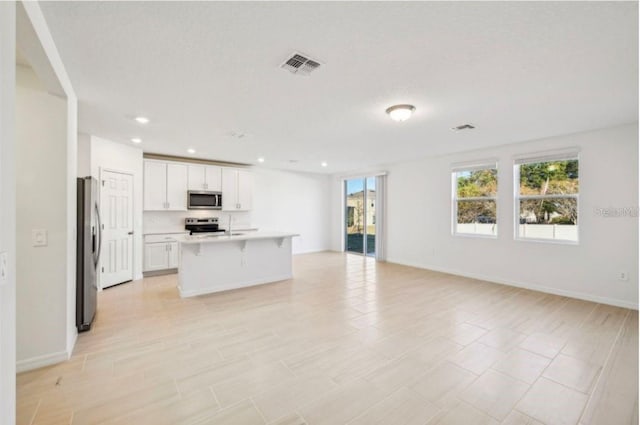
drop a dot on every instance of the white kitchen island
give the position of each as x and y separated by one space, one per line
214 263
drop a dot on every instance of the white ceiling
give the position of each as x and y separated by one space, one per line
203 71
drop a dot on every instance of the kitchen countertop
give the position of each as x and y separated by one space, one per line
185 232
171 232
240 236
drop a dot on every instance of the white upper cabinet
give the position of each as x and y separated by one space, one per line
237 189
155 185
205 177
176 187
165 186
245 190
196 177
213 178
229 189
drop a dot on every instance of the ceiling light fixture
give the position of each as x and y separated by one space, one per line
136 140
142 120
324 163
191 151
400 112
260 159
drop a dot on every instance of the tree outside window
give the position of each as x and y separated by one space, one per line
547 199
474 200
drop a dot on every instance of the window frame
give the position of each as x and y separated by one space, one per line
569 155
489 164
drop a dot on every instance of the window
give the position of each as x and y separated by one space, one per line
474 199
546 198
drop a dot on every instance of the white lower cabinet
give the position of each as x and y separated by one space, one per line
174 255
161 252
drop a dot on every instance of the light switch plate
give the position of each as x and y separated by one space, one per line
39 237
4 269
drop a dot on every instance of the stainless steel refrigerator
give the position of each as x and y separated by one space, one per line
88 252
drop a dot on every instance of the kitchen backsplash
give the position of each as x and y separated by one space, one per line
173 221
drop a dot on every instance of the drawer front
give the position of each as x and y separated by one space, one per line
165 237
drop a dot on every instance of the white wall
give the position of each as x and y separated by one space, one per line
84 155
7 213
41 131
112 156
419 221
34 37
282 201
296 202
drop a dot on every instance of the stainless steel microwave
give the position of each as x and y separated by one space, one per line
204 200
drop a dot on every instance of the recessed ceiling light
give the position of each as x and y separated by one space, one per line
260 159
400 112
142 120
324 164
191 151
136 140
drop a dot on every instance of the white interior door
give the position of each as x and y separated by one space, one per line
116 207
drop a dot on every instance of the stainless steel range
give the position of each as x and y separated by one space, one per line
202 225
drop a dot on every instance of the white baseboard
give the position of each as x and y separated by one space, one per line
41 361
311 251
256 282
524 285
72 344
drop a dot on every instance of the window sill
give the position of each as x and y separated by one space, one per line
474 235
547 241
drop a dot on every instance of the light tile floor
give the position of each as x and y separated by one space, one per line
347 341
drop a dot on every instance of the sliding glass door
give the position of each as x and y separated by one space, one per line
360 216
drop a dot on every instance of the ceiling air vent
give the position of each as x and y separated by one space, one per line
300 64
463 127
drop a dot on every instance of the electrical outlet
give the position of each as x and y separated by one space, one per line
4 269
623 275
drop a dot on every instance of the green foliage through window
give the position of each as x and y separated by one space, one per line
475 201
554 183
